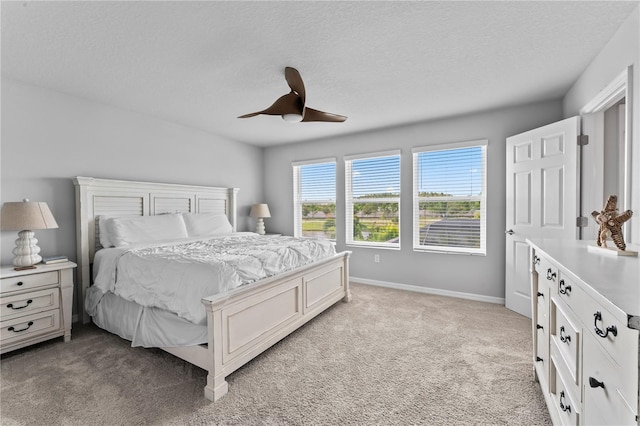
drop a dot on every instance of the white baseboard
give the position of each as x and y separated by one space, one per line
427 290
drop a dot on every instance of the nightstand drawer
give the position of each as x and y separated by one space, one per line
27 282
26 303
29 325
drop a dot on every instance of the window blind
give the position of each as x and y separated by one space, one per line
314 199
449 194
372 199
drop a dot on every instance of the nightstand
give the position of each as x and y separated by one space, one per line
35 304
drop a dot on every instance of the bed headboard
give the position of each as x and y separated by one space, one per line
96 197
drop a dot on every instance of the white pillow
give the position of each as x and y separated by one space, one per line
206 224
146 229
105 230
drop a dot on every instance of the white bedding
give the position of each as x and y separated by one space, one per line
175 276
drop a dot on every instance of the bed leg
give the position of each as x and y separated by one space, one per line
216 388
347 296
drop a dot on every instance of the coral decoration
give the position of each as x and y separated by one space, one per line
611 223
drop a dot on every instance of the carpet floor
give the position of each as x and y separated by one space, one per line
389 357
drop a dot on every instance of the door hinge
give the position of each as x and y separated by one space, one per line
582 222
583 140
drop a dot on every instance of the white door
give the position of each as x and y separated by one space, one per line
542 199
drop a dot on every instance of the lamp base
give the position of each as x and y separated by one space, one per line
260 226
26 250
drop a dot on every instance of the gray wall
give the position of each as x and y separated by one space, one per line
49 137
478 275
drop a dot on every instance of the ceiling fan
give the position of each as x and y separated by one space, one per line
292 105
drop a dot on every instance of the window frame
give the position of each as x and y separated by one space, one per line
297 192
349 201
482 250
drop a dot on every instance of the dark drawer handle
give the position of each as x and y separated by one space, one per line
538 359
539 327
611 329
19 283
536 260
566 290
15 308
22 329
594 383
565 339
564 407
540 294
550 275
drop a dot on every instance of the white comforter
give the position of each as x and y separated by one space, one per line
175 276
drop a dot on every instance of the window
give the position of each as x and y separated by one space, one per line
372 199
449 197
314 198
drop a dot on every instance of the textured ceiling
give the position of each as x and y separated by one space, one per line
202 64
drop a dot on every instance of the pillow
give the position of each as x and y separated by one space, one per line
206 224
104 230
146 229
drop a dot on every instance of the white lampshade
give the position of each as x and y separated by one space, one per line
25 216
260 210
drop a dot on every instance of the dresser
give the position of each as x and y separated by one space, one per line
35 304
586 332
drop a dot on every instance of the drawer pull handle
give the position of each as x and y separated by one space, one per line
566 290
540 294
19 283
536 260
564 407
539 327
550 275
594 383
538 359
565 339
15 308
22 329
611 329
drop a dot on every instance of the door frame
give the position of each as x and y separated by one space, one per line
592 164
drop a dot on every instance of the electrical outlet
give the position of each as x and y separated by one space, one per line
376 258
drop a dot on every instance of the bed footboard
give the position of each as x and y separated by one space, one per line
245 322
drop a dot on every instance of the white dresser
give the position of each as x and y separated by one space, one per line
35 304
586 332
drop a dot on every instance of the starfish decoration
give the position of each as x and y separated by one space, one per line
611 223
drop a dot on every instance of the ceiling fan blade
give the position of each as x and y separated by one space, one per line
295 82
311 114
286 104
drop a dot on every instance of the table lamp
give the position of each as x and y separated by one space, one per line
260 211
24 216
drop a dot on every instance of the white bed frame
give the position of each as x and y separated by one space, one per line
241 323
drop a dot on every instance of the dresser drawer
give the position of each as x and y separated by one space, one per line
542 297
564 404
565 336
548 273
565 287
26 303
29 325
27 282
604 403
617 340
542 354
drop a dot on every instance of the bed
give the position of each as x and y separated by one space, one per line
238 323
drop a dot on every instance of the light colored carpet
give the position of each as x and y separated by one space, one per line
388 357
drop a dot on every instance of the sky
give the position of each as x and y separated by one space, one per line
456 172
